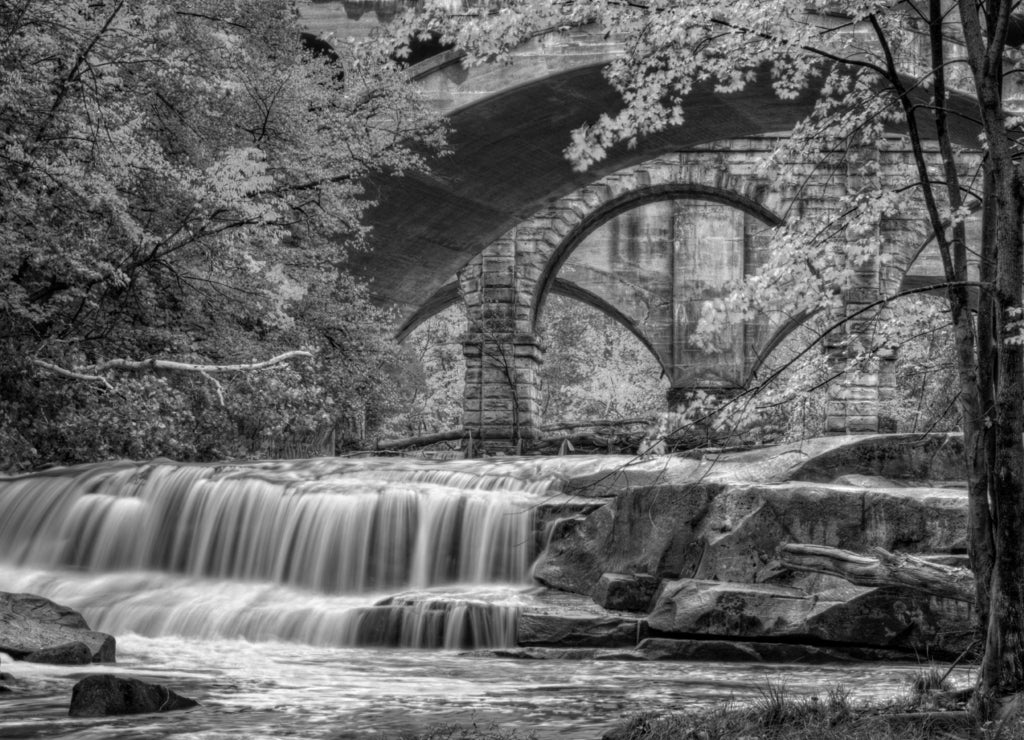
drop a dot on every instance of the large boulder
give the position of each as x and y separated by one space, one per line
869 617
730 531
34 625
626 592
642 530
746 524
70 653
104 694
903 457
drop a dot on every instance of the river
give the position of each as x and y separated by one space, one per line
328 599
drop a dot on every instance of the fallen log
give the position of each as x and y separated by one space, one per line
420 441
595 423
582 441
885 569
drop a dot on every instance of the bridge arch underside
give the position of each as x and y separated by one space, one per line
654 261
507 162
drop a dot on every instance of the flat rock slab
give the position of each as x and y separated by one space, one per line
921 458
723 651
703 651
576 630
900 457
104 694
31 624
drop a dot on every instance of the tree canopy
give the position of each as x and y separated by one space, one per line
180 183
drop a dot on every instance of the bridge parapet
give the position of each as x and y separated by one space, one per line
450 86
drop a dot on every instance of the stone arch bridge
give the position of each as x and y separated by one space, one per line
504 221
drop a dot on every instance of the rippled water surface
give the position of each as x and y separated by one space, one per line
271 690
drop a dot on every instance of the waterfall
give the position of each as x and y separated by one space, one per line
306 551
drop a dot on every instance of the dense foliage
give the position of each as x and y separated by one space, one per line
179 182
594 368
793 406
432 377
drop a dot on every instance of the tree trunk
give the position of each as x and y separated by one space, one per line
1002 670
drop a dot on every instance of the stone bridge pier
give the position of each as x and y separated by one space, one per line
654 246
501 406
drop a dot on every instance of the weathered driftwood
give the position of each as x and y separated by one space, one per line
885 569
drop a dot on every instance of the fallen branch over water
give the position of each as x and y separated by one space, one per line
885 569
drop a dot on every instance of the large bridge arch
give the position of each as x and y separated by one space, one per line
507 162
510 125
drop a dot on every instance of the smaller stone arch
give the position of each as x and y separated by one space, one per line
724 174
571 290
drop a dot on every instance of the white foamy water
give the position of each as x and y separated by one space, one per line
341 528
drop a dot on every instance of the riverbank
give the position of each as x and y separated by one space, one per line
929 710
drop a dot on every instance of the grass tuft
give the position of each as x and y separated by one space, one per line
929 680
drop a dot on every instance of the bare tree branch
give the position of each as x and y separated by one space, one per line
885 569
93 372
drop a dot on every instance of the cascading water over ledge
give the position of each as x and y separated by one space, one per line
302 551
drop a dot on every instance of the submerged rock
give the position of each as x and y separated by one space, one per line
104 694
34 625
